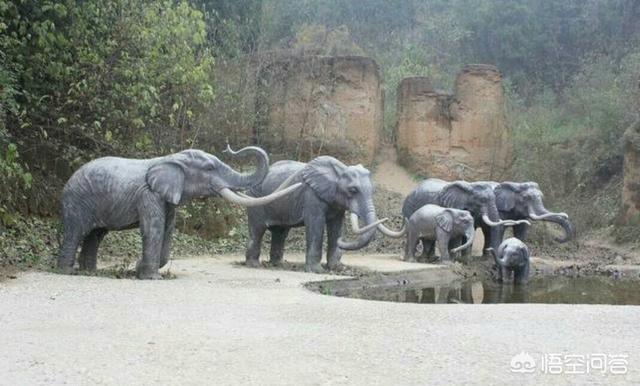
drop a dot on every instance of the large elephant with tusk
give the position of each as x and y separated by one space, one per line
476 197
330 188
114 193
523 201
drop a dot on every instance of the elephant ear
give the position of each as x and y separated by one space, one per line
167 179
321 174
445 221
455 194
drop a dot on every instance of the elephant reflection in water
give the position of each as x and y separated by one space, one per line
471 293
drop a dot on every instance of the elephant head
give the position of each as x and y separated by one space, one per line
457 221
194 173
348 188
525 199
478 198
511 254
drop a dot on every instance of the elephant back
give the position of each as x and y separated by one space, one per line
425 193
278 173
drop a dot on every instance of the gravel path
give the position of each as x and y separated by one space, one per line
218 323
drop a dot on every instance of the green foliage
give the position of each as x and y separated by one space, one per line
572 144
126 77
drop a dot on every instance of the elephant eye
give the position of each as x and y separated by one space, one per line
352 190
209 167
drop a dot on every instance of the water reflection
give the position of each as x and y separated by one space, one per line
592 290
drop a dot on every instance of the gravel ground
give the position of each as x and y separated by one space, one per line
220 323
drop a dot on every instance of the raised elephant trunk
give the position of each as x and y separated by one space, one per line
246 180
541 214
365 237
469 235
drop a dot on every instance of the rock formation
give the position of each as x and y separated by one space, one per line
631 185
320 105
459 136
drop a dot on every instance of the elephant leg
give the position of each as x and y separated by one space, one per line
278 238
314 229
75 230
424 255
170 226
410 247
152 214
256 232
490 235
504 275
430 250
89 252
521 231
521 276
454 243
442 242
334 254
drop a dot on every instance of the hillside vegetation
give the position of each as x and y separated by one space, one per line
140 78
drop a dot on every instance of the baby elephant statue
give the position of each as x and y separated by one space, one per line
445 227
512 256
113 193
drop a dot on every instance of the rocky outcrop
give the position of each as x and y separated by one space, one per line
320 105
459 136
630 213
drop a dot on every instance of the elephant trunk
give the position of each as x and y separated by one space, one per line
469 234
365 237
539 213
237 180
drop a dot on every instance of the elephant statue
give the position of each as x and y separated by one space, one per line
111 193
330 188
523 201
437 225
512 256
476 197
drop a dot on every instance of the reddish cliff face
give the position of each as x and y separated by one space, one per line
321 105
459 136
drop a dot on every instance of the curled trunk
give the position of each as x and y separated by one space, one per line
562 219
469 235
237 180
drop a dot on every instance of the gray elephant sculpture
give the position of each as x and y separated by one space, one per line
329 189
434 224
476 197
523 201
114 193
512 256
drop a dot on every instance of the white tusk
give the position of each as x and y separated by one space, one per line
356 227
394 234
244 200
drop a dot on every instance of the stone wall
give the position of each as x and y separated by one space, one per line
320 105
459 136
